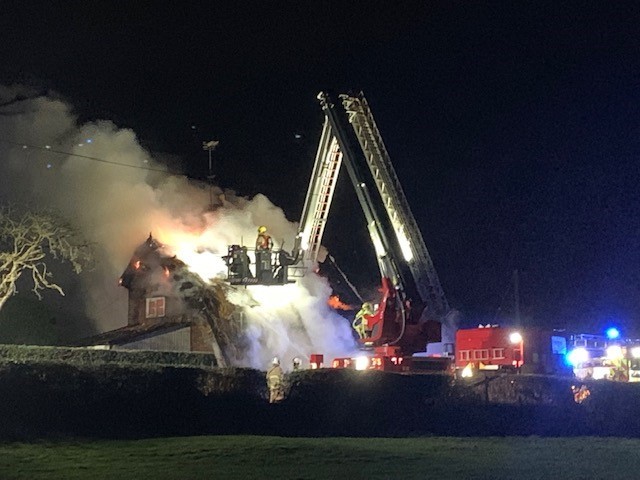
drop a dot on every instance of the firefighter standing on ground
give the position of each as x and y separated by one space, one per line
274 382
580 394
296 364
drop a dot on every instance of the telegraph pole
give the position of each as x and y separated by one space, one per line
210 147
516 292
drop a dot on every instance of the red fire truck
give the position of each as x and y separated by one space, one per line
491 347
411 307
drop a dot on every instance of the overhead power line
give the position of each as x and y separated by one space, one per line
48 149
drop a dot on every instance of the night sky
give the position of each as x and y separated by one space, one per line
514 127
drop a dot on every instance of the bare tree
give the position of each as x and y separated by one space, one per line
29 239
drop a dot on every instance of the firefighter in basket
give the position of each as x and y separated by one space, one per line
264 241
264 244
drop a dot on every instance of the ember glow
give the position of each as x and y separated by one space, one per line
335 302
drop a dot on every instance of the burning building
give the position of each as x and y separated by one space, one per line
171 308
177 297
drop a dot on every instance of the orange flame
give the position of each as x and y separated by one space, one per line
136 264
335 302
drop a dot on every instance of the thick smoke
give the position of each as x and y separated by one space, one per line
116 207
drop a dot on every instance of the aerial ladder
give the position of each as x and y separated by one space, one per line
319 195
412 301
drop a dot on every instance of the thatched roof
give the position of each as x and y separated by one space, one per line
146 258
131 333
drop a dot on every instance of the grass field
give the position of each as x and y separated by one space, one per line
251 457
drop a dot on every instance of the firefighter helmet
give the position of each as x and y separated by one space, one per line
262 229
275 361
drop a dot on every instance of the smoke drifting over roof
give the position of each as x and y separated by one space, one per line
116 207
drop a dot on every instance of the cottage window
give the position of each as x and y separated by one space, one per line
464 355
155 307
498 353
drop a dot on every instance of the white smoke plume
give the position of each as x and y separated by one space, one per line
116 207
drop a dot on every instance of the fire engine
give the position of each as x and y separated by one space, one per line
535 350
491 347
599 357
412 304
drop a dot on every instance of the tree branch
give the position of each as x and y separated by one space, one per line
26 239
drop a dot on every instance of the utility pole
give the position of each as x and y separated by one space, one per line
210 147
516 294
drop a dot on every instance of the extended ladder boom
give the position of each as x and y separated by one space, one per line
412 299
405 227
319 195
359 179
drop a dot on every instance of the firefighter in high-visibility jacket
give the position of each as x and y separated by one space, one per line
264 240
580 394
264 244
275 382
360 322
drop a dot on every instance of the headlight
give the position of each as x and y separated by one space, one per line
362 363
577 356
515 337
614 352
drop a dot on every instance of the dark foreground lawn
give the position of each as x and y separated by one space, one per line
248 457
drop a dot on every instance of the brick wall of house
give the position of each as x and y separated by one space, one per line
135 314
201 337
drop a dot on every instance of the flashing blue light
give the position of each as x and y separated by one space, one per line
89 140
577 356
613 333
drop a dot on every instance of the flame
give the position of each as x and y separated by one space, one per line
335 302
198 247
290 319
137 264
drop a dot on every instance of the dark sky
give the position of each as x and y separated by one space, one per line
514 127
